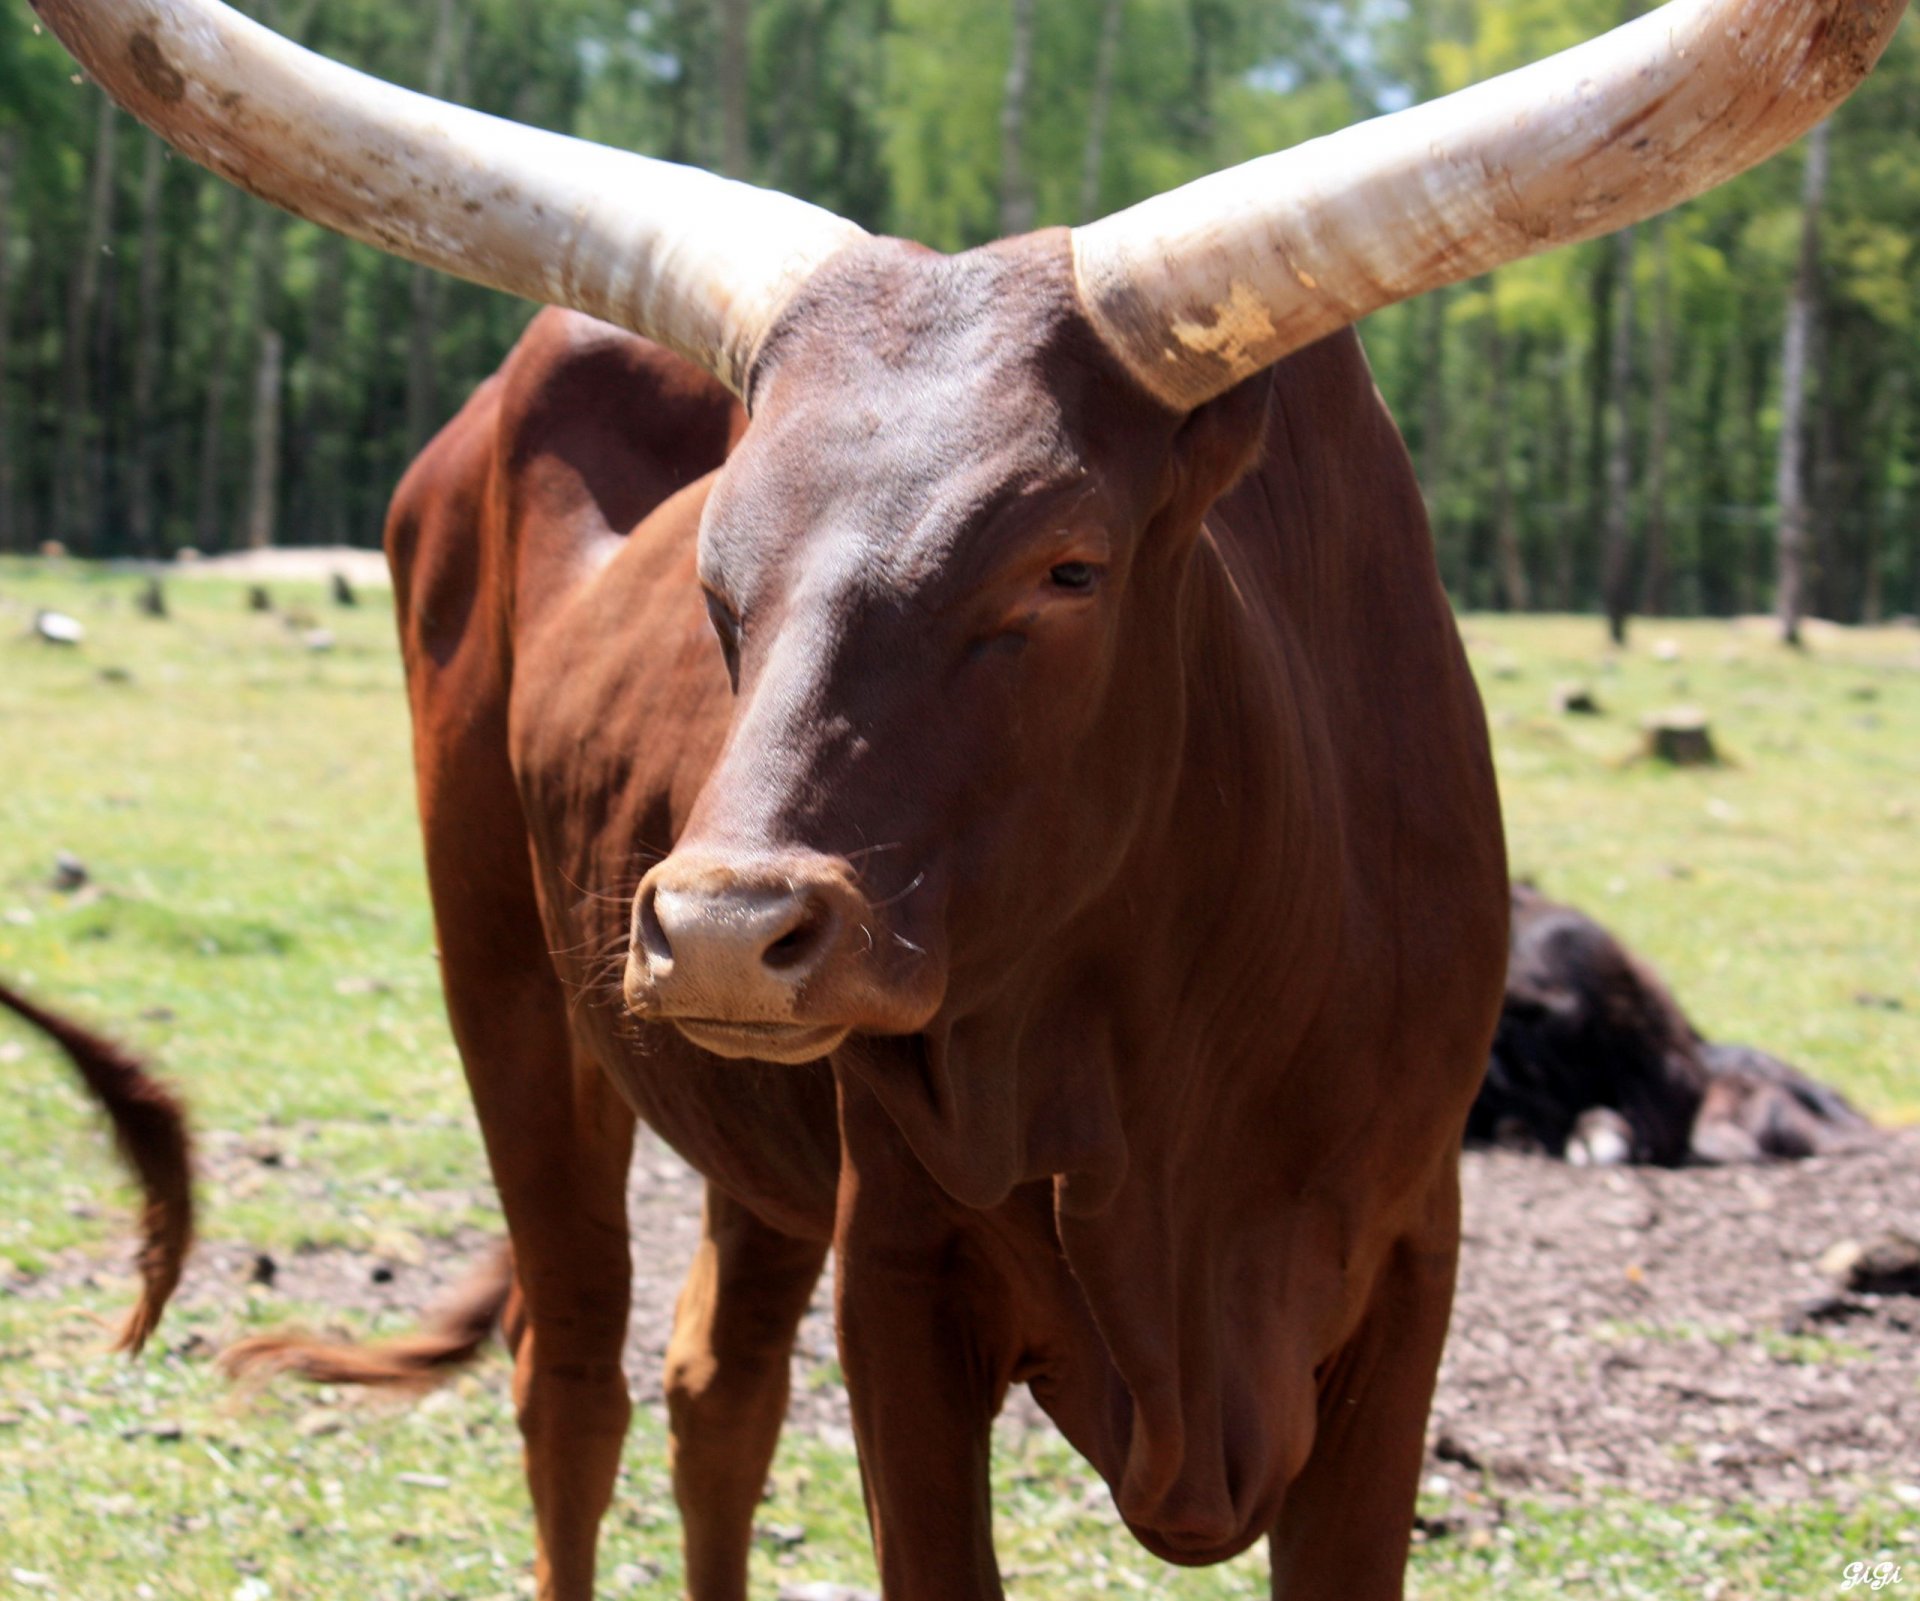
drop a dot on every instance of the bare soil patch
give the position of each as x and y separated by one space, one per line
316 564
1671 1332
1665 1333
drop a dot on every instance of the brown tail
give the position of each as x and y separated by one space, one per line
150 1131
453 1336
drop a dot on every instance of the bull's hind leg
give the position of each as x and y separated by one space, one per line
1347 1521
726 1382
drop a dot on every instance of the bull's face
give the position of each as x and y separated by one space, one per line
944 567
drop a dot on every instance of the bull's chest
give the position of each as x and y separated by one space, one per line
620 703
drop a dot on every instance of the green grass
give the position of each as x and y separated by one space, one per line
1802 1350
257 919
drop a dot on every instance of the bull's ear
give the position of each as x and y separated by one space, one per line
1218 445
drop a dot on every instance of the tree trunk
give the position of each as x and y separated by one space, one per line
9 487
33 467
1562 452
1712 416
1016 193
1654 590
1887 505
319 456
677 95
1831 557
1590 527
1516 593
1616 563
264 484
424 294
1790 489
208 533
1754 377
73 512
795 106
733 88
1106 59
141 521
1206 20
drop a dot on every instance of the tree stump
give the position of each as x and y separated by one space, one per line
259 598
343 594
1680 737
1575 699
152 599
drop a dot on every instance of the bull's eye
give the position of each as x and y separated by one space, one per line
727 627
1076 577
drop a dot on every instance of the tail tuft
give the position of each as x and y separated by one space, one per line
454 1335
150 1132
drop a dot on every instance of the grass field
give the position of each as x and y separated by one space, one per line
255 916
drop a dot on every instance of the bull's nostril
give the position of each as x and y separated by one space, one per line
652 936
800 942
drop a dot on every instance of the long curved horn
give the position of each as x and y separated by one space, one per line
697 262
1202 287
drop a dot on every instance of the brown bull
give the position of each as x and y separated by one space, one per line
1107 1113
1071 893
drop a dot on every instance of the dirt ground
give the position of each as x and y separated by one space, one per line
316 564
1666 1333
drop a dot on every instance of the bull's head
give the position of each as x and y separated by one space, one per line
968 478
942 566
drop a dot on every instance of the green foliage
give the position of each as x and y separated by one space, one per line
889 111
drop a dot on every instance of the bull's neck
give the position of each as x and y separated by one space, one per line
1250 845
1228 909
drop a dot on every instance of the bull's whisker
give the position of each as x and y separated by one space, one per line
918 879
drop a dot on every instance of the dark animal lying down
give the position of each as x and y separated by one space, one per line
1594 1060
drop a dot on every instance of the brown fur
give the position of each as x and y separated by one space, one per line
150 1133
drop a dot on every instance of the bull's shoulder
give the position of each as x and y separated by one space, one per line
583 431
588 409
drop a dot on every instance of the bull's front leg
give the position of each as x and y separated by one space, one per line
927 1348
1348 1519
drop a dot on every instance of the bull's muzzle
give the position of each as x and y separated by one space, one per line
753 958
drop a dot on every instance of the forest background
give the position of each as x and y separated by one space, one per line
1641 424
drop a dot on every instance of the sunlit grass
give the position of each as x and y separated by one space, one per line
256 917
